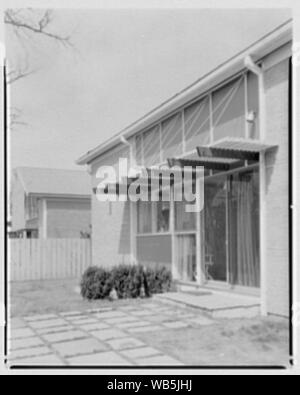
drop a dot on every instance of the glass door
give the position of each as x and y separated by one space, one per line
243 223
230 222
215 229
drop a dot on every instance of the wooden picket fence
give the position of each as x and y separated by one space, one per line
45 259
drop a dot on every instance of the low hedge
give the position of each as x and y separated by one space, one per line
157 280
96 283
129 281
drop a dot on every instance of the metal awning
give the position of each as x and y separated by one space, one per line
207 162
224 155
243 145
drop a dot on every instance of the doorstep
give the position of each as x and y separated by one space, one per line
216 304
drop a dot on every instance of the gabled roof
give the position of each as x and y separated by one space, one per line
258 50
43 181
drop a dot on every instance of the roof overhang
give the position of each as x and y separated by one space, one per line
57 196
226 154
266 45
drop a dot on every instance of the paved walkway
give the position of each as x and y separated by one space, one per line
100 337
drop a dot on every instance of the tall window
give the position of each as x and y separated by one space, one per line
184 221
162 216
153 217
144 217
151 143
253 105
139 149
229 110
197 124
231 105
172 136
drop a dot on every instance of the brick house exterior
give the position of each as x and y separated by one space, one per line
50 203
265 67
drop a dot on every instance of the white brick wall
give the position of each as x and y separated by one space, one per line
110 220
276 87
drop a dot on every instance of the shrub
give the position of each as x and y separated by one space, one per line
96 283
128 281
157 280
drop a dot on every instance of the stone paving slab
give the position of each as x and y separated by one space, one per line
93 327
100 336
47 324
151 306
98 310
56 329
63 336
29 352
142 313
127 308
110 358
158 318
77 318
137 324
120 320
150 328
141 352
125 343
110 314
84 321
43 360
25 343
21 333
71 313
43 317
79 347
108 334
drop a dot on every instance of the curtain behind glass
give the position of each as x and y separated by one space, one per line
244 230
186 258
144 217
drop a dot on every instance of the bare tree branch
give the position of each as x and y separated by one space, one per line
27 23
15 19
14 119
16 75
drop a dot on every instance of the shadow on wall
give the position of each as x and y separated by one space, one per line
271 158
125 239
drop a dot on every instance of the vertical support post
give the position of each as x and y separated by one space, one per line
173 237
183 132
228 192
262 192
160 144
199 252
133 226
262 184
246 105
211 124
133 216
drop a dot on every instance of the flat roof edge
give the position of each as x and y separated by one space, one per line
261 48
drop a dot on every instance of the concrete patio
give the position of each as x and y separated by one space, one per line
216 304
99 337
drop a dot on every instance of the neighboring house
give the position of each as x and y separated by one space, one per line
50 203
235 122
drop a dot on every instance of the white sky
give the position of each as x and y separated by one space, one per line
125 63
